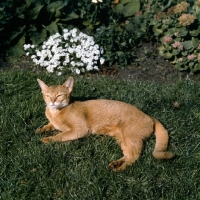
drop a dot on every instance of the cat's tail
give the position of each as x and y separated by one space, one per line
161 142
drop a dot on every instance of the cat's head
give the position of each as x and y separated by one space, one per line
57 96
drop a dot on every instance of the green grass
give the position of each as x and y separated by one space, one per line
78 169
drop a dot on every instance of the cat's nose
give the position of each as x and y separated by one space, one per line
51 103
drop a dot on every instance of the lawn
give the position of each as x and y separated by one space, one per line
79 169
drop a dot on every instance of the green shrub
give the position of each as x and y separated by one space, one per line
178 31
30 21
118 28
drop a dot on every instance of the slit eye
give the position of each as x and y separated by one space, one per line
59 95
47 95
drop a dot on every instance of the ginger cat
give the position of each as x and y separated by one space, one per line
126 123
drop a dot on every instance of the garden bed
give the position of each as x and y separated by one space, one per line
151 67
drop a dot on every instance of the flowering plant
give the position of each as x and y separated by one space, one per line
74 51
178 31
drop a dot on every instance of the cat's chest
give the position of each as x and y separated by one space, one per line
52 113
55 117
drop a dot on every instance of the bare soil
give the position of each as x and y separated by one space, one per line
150 67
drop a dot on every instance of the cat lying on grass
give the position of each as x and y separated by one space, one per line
129 125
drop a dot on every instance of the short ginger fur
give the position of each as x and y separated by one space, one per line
129 125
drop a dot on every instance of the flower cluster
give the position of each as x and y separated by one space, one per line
191 56
180 59
74 51
159 15
171 11
96 1
181 7
178 31
186 19
177 45
168 39
139 13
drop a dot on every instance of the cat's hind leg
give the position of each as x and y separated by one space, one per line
131 150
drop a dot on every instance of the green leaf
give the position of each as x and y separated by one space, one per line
87 23
21 10
175 52
53 27
18 49
157 31
170 32
195 42
181 67
188 44
167 55
168 47
191 64
38 37
118 8
131 8
124 1
52 7
184 53
119 53
182 31
195 33
17 33
28 3
71 16
197 67
33 14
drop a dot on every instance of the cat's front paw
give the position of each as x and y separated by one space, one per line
39 130
46 140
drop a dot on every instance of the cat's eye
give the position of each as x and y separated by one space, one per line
47 95
59 95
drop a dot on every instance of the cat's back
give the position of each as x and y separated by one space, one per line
109 107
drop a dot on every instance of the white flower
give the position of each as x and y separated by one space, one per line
70 50
73 63
33 56
101 50
32 46
89 68
96 58
102 60
77 71
26 46
97 52
96 68
78 55
50 69
95 1
73 49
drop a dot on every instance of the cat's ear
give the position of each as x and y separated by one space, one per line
43 86
69 84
